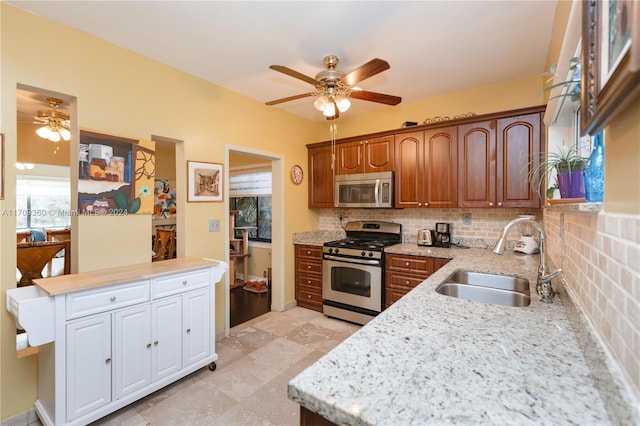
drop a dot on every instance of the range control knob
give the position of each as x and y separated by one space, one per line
337 251
330 250
370 254
363 254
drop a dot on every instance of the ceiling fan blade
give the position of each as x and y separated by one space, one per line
295 74
375 97
371 68
290 98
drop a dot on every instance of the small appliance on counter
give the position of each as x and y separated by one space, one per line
425 237
443 234
527 245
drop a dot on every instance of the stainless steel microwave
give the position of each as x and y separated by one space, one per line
365 190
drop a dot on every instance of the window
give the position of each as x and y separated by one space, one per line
253 211
250 195
42 202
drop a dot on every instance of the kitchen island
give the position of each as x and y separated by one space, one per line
435 359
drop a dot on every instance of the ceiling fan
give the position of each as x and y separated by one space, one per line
55 123
333 87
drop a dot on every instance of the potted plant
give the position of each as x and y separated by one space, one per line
566 166
569 88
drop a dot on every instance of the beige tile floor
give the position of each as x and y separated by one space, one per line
249 387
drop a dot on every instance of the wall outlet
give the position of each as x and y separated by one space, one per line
214 225
466 218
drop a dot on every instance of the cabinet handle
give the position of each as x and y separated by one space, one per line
188 330
308 281
107 361
308 253
184 282
309 267
148 345
407 264
500 204
113 298
155 343
407 282
490 204
308 296
419 204
426 204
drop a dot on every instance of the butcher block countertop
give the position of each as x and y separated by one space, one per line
63 284
432 359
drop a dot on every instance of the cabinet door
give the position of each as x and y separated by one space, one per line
308 277
409 177
349 158
132 350
379 154
196 317
88 378
518 148
166 335
441 171
477 164
321 179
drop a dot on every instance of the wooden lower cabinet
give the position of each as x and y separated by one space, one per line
308 276
405 272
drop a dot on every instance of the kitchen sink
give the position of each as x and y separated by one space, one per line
488 288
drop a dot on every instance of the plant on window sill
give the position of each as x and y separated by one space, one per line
569 88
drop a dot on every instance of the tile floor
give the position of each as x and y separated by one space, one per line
249 387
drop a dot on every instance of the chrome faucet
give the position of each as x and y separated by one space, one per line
543 284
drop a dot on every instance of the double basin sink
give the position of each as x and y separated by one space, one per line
488 288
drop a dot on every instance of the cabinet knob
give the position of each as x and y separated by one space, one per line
184 282
308 252
500 204
490 204
155 343
419 204
188 330
407 264
308 281
407 282
308 296
113 298
309 267
148 345
107 361
426 204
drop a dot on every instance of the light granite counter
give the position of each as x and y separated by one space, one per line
434 359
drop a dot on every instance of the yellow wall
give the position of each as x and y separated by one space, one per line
34 149
122 93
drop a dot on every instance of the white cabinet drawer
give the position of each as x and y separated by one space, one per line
178 283
106 298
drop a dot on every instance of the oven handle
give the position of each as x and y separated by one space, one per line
373 262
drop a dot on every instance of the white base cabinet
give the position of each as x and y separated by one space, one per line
117 343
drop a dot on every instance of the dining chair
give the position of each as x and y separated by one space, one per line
61 235
33 257
164 244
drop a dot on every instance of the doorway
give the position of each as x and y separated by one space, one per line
164 222
236 296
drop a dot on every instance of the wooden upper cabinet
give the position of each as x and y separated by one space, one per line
426 170
409 173
441 171
494 159
365 156
518 143
320 180
477 164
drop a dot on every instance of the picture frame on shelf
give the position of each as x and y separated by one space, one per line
204 181
610 60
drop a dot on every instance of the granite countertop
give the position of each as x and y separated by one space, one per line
434 359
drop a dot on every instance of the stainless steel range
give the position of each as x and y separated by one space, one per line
353 270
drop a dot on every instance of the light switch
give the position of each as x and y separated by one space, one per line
214 225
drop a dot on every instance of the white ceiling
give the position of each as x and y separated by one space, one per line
433 47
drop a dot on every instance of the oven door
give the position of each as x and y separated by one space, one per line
357 285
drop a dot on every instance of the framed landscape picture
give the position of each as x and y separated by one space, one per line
204 181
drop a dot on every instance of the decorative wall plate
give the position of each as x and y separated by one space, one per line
296 174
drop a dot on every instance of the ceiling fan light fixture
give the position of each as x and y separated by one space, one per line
44 132
65 134
321 102
343 103
329 110
56 123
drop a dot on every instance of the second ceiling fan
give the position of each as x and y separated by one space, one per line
333 87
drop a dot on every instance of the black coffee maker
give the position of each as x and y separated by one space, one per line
443 235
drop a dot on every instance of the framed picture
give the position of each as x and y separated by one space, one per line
1 166
610 60
204 181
